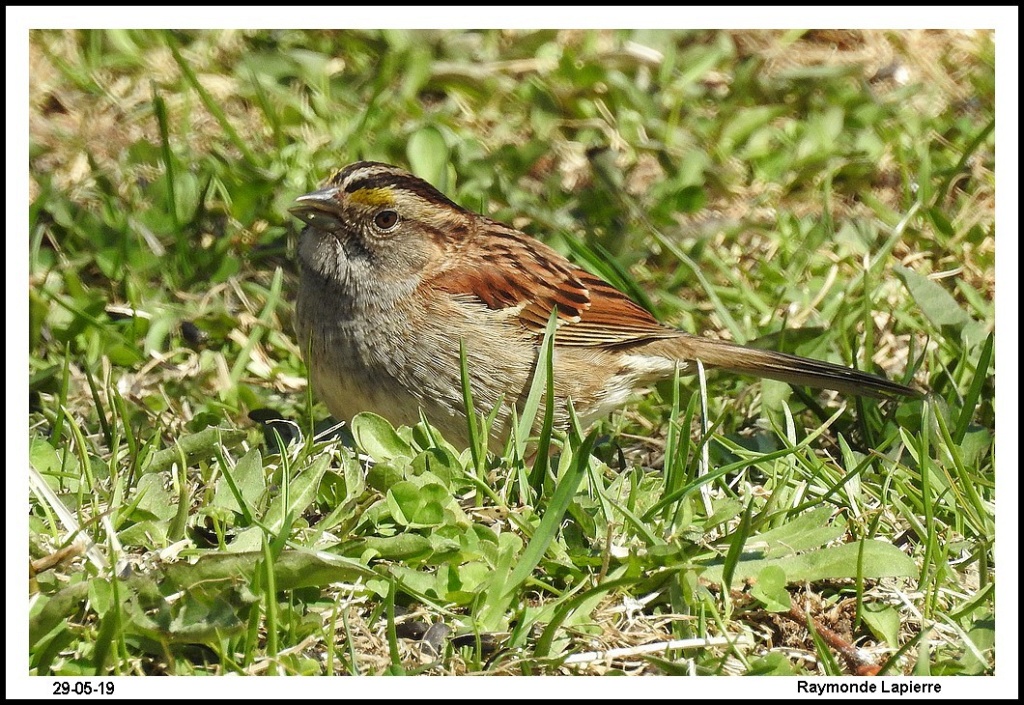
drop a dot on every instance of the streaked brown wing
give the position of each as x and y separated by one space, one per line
520 272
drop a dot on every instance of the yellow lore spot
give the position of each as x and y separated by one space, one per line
373 197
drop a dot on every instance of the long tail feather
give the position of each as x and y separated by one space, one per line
791 369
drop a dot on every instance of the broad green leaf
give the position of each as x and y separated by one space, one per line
772 664
881 560
937 304
378 439
301 493
416 505
249 480
498 597
404 547
154 500
982 637
293 569
384 475
809 530
195 446
145 533
441 463
432 585
43 457
770 589
465 580
100 595
884 622
806 531
428 156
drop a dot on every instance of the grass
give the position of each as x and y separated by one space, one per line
825 193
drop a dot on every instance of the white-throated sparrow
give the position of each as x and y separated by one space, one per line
393 275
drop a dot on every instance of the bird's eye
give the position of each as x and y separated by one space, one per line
386 220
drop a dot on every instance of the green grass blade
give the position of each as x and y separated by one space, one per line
546 532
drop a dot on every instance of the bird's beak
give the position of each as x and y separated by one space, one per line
321 209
